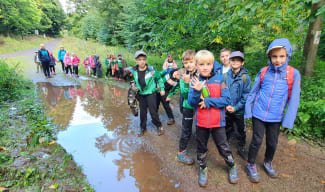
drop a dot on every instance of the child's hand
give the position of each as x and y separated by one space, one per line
162 93
187 78
197 85
168 99
230 109
202 104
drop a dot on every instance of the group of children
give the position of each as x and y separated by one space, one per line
218 98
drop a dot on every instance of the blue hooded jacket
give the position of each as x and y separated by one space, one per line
238 90
267 102
61 54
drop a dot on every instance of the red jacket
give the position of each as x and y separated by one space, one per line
75 61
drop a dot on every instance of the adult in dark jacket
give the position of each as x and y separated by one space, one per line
98 66
45 59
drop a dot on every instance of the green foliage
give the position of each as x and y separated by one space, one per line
11 83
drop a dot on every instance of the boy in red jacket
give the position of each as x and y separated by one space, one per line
209 96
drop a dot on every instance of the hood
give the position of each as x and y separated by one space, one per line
283 42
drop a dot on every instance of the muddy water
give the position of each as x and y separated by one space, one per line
97 128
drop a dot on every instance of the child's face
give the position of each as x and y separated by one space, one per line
278 56
176 75
170 58
141 61
120 57
62 48
189 64
224 57
236 63
204 67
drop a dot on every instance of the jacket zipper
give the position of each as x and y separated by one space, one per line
268 106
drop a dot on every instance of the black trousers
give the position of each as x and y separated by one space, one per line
94 71
220 139
272 131
187 122
46 68
148 102
75 70
108 71
162 99
120 73
52 68
235 124
67 69
62 63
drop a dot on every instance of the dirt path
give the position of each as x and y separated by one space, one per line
301 167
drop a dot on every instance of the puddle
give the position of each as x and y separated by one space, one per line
95 127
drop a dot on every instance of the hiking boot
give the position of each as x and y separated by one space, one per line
233 174
140 132
242 153
161 131
269 169
170 121
252 173
203 177
183 158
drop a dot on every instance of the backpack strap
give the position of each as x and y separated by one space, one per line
264 69
290 75
244 78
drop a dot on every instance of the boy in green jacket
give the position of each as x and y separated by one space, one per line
146 79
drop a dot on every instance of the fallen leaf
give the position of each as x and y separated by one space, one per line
323 182
292 149
52 142
2 149
292 142
294 159
54 186
286 175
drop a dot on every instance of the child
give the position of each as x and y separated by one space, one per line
92 65
209 96
170 63
108 66
37 62
121 66
171 83
87 66
275 87
114 64
52 64
224 58
146 79
75 64
187 110
239 84
68 63
61 54
98 66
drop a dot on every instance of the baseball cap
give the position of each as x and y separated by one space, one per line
236 54
119 54
138 53
275 47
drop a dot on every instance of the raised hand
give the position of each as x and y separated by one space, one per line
196 84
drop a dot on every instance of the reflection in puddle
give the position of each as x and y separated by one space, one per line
95 130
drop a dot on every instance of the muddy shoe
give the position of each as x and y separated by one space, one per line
269 169
233 175
170 121
140 132
203 177
183 158
242 153
252 173
161 131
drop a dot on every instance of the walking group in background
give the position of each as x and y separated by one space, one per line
218 99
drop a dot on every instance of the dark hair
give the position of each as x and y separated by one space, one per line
238 57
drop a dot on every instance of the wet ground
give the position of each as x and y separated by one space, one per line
98 129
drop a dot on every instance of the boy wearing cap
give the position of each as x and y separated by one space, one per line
146 79
239 84
276 88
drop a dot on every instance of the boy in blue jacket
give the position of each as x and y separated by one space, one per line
275 88
239 84
209 96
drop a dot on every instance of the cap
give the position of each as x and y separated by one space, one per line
138 53
236 54
275 47
119 54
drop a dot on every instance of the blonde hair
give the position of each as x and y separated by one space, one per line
188 55
204 54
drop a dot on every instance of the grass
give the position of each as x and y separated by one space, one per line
15 44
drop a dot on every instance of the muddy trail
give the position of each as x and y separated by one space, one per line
98 129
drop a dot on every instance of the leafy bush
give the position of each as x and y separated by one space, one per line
11 83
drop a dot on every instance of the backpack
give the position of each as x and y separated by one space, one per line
289 73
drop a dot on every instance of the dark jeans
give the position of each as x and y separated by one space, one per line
272 131
187 122
62 63
52 68
120 73
67 69
162 99
220 139
46 68
75 70
108 71
148 101
94 71
235 124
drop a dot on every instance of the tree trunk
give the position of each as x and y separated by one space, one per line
310 47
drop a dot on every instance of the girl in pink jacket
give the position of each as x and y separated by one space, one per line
75 64
68 63
87 66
